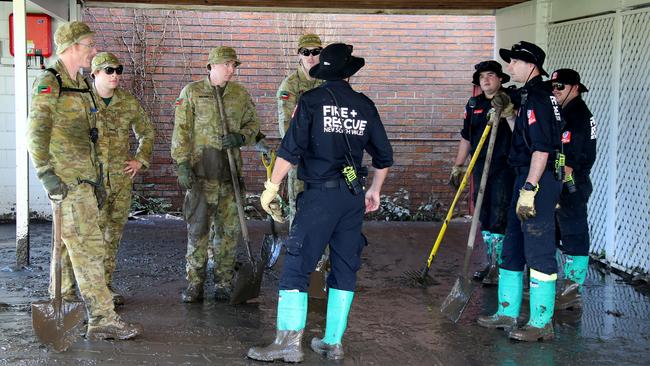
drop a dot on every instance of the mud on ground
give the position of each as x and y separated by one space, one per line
390 322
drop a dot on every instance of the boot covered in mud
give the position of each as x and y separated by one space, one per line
487 239
542 303
510 288
338 309
193 293
292 316
575 271
114 328
492 277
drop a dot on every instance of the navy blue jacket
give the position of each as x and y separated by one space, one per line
579 137
315 141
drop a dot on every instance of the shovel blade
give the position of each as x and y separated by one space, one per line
56 328
248 280
458 298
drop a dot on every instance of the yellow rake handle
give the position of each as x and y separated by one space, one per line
269 164
463 183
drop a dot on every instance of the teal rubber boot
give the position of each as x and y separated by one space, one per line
292 316
338 309
511 286
575 272
492 277
497 243
542 303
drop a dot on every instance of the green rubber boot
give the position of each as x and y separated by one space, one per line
511 286
292 316
338 308
542 303
575 272
492 277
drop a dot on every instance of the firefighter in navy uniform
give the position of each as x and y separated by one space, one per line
579 142
489 76
331 128
530 234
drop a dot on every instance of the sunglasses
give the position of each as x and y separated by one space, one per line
110 70
306 52
558 86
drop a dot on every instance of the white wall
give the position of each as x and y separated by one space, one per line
37 196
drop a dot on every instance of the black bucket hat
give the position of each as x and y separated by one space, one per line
525 51
569 77
336 63
489 65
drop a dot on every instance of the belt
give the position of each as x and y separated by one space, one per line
330 184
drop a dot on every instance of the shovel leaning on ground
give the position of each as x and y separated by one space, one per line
57 323
248 277
422 277
459 296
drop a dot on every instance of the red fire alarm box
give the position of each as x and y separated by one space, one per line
39 34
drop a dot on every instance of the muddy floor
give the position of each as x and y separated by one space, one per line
390 323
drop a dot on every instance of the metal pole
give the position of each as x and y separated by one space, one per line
22 167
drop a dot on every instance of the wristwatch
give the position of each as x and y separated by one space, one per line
528 186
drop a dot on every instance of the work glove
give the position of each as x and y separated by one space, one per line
526 204
232 140
502 101
185 175
270 202
54 186
456 176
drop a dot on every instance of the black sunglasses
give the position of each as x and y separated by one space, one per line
110 70
558 86
306 52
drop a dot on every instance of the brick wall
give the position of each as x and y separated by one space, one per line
418 72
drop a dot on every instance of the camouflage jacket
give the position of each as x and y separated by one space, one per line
124 113
197 123
58 130
292 87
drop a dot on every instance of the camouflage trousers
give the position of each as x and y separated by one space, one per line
294 187
82 254
210 212
112 218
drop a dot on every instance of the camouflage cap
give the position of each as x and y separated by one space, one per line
309 40
70 33
223 54
103 59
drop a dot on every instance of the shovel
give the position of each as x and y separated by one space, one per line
271 245
248 277
422 277
57 323
459 296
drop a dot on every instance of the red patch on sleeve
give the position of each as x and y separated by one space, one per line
179 101
478 111
566 137
531 117
42 89
285 95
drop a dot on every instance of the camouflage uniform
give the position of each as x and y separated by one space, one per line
210 208
58 142
115 120
292 87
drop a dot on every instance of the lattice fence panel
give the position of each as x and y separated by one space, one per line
586 46
633 157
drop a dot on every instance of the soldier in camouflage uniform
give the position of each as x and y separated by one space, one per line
199 148
119 112
292 87
61 121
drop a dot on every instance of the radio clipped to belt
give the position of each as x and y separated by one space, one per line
351 175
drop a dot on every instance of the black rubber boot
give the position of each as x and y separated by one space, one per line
286 347
193 293
528 333
331 351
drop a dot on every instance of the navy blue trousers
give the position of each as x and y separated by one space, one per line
497 196
325 216
532 242
571 219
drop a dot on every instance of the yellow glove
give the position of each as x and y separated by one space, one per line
456 176
526 204
270 202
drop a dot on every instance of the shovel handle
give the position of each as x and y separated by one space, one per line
463 183
481 192
269 164
234 177
56 251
